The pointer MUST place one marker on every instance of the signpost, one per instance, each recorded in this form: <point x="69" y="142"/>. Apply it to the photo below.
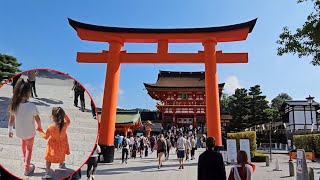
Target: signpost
<point x="302" y="169"/>
<point x="232" y="151"/>
<point x="245" y="146"/>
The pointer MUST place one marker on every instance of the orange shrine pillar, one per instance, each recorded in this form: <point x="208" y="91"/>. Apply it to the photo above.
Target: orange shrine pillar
<point x="212" y="91"/>
<point x="110" y="98"/>
<point x="126" y="131"/>
<point x="148" y="132"/>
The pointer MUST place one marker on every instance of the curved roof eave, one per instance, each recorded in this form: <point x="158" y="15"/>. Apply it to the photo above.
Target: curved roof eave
<point x="248" y="24"/>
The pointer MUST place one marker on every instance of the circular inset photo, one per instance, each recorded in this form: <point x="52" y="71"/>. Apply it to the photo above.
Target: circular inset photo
<point x="48" y="126"/>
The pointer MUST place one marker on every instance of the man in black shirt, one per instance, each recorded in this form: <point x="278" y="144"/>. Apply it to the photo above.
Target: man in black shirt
<point x="210" y="165"/>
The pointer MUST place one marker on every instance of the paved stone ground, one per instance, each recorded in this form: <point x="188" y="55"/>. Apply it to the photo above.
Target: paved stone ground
<point x="52" y="91"/>
<point x="146" y="169"/>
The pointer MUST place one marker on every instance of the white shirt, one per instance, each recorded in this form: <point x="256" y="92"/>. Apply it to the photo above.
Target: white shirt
<point x="131" y="140"/>
<point x="181" y="142"/>
<point x="96" y="151"/>
<point x="24" y="120"/>
<point x="128" y="142"/>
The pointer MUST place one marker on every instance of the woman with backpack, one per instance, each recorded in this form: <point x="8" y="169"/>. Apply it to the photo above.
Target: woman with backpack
<point x="161" y="148"/>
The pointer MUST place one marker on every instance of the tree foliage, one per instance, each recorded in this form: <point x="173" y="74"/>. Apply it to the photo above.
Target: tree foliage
<point x="306" y="40"/>
<point x="257" y="107"/>
<point x="277" y="102"/>
<point x="9" y="66"/>
<point x="224" y="103"/>
<point x="239" y="110"/>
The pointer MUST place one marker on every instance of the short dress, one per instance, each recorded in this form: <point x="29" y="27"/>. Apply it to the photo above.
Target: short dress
<point x="58" y="146"/>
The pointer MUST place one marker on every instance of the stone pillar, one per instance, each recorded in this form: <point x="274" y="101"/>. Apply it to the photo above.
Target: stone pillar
<point x="212" y="91"/>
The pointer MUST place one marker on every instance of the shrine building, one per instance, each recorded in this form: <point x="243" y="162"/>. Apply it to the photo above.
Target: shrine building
<point x="181" y="97"/>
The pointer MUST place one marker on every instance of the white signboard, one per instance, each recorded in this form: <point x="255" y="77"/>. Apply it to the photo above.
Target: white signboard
<point x="299" y="154"/>
<point x="224" y="155"/>
<point x="245" y="146"/>
<point x="232" y="151"/>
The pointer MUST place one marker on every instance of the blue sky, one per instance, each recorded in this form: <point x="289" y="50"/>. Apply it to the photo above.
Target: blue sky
<point x="39" y="35"/>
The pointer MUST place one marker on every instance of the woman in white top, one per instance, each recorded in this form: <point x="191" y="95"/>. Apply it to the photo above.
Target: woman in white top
<point x="24" y="114"/>
<point x="93" y="162"/>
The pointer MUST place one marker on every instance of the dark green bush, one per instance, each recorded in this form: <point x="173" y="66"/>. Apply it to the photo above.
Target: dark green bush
<point x="307" y="142"/>
<point x="259" y="157"/>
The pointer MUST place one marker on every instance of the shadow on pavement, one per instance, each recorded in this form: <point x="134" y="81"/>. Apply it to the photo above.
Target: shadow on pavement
<point x="139" y="168"/>
<point x="57" y="174"/>
<point x="50" y="101"/>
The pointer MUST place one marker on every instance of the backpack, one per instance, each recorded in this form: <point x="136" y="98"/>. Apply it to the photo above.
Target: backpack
<point x="124" y="142"/>
<point x="135" y="145"/>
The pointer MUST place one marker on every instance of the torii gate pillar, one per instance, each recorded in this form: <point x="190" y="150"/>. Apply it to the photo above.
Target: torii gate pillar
<point x="212" y="91"/>
<point x="110" y="100"/>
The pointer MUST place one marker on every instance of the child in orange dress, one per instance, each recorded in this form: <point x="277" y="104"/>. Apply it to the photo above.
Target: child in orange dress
<point x="58" y="146"/>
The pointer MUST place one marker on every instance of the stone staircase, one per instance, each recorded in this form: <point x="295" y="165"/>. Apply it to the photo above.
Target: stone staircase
<point x="82" y="131"/>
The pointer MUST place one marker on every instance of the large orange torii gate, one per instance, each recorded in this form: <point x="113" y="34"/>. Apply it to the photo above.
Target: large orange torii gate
<point x="116" y="37"/>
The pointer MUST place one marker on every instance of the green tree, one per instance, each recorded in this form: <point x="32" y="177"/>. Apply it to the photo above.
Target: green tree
<point x="224" y="103"/>
<point x="306" y="40"/>
<point x="277" y="102"/>
<point x="257" y="106"/>
<point x="272" y="114"/>
<point x="238" y="106"/>
<point x="9" y="66"/>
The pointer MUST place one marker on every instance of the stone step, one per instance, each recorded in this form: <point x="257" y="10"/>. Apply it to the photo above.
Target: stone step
<point x="16" y="167"/>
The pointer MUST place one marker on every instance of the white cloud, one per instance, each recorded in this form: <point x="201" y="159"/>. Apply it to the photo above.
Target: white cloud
<point x="231" y="84"/>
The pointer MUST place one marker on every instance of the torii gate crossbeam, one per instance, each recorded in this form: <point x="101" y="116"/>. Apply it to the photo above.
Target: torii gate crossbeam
<point x="116" y="37"/>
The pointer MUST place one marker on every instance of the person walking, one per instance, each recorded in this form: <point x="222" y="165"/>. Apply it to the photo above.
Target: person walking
<point x="58" y="145"/>
<point x="93" y="110"/>
<point x="78" y="91"/>
<point x="146" y="145"/>
<point x="24" y="114"/>
<point x="161" y="148"/>
<point x="193" y="147"/>
<point x="244" y="169"/>
<point x="210" y="164"/>
<point x="134" y="149"/>
<point x="169" y="145"/>
<point x="131" y="145"/>
<point x="142" y="145"/>
<point x="181" y="150"/>
<point x="93" y="162"/>
<point x="152" y="142"/>
<point x="188" y="147"/>
<point x="125" y="149"/>
<point x="32" y="80"/>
